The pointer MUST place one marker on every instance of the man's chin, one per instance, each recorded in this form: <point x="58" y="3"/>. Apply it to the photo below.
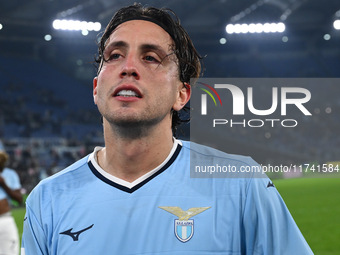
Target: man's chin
<point x="133" y="128"/>
<point x="133" y="121"/>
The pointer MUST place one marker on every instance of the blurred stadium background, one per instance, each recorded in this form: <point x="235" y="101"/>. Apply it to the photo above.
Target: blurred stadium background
<point x="48" y="120"/>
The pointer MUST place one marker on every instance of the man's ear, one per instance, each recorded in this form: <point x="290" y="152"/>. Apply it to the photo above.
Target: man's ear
<point x="95" y="81"/>
<point x="183" y="96"/>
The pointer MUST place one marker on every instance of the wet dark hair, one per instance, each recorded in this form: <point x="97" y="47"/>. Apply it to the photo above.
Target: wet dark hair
<point x="188" y="59"/>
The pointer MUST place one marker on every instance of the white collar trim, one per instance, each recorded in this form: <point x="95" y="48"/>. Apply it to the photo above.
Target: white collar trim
<point x="93" y="159"/>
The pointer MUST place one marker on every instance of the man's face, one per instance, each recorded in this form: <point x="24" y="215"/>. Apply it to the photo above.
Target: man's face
<point x="140" y="81"/>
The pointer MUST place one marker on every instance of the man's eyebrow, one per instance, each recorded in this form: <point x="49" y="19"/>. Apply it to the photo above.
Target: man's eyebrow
<point x="157" y="48"/>
<point x="143" y="47"/>
<point x="117" y="44"/>
<point x="151" y="47"/>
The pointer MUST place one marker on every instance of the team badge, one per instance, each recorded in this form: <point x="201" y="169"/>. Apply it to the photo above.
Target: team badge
<point x="184" y="228"/>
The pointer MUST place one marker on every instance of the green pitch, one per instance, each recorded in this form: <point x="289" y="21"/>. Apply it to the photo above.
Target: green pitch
<point x="314" y="204"/>
<point x="19" y="214"/>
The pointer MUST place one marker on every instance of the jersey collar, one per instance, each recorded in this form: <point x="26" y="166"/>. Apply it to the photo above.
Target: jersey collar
<point x="132" y="186"/>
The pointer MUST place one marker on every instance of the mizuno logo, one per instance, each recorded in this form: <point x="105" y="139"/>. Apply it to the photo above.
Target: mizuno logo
<point x="184" y="228"/>
<point x="75" y="235"/>
<point x="270" y="184"/>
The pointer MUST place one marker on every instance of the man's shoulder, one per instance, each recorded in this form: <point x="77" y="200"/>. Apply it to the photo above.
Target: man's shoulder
<point x="76" y="166"/>
<point x="64" y="177"/>
<point x="204" y="152"/>
<point x="58" y="188"/>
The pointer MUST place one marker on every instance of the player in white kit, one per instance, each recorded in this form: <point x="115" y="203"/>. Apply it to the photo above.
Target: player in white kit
<point x="9" y="189"/>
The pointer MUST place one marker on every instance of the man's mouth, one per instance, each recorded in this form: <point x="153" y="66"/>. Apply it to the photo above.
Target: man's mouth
<point x="127" y="93"/>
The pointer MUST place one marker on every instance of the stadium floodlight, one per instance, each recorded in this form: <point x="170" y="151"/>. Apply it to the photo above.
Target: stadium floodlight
<point x="327" y="37"/>
<point x="281" y="27"/>
<point x="258" y="28"/>
<point x="255" y="28"/>
<point x="48" y="38"/>
<point x="252" y="28"/>
<point x="1" y="26"/>
<point x="223" y="41"/>
<point x="230" y="29"/>
<point x="336" y="24"/>
<point x="75" y="25"/>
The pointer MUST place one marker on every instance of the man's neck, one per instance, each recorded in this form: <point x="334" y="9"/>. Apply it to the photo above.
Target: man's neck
<point x="129" y="159"/>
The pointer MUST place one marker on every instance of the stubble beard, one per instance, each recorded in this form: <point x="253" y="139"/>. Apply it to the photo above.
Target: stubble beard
<point x="134" y="128"/>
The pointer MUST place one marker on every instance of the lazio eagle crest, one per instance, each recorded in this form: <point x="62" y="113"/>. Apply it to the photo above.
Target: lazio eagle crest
<point x="184" y="228"/>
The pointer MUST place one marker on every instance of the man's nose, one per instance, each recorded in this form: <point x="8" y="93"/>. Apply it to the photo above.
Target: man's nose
<point x="130" y="67"/>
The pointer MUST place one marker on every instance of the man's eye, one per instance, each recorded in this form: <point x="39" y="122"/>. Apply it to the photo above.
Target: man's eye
<point x="151" y="59"/>
<point x="114" y="56"/>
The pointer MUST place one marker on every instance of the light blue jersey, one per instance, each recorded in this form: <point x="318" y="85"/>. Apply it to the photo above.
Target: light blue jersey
<point x="12" y="181"/>
<point x="84" y="210"/>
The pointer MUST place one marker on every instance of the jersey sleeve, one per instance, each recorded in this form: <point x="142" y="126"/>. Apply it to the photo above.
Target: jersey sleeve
<point x="12" y="181"/>
<point x="268" y="225"/>
<point x="34" y="241"/>
<point x="15" y="181"/>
